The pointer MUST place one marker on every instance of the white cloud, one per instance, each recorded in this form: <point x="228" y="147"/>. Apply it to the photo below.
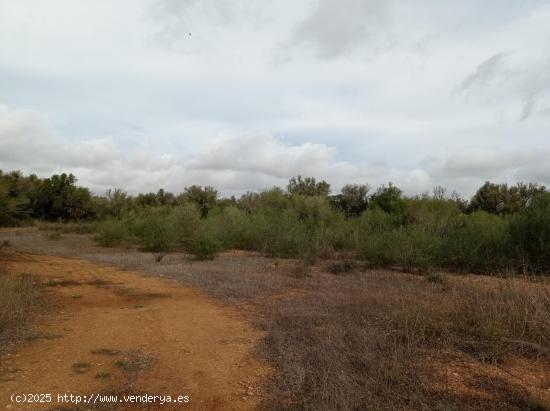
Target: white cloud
<point x="369" y="91"/>
<point x="234" y="164"/>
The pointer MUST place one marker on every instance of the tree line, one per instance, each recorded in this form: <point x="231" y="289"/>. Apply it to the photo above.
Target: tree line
<point x="502" y="228"/>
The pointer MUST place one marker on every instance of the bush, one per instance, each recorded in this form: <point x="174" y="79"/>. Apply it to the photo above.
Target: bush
<point x="158" y="233"/>
<point x="110" y="233"/>
<point x="233" y="228"/>
<point x="409" y="247"/>
<point x="186" y="220"/>
<point x="283" y="234"/>
<point x="436" y="216"/>
<point x="530" y="234"/>
<point x="204" y="247"/>
<point x="478" y="244"/>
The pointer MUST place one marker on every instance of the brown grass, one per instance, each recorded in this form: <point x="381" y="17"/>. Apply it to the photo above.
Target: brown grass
<point x="19" y="296"/>
<point x="372" y="340"/>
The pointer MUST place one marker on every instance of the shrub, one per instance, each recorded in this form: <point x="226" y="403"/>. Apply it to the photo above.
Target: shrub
<point x="233" y="228"/>
<point x="436" y="216"/>
<point x="283" y="234"/>
<point x="478" y="244"/>
<point x="409" y="247"/>
<point x="204" y="247"/>
<point x="186" y="220"/>
<point x="388" y="199"/>
<point x="110" y="233"/>
<point x="158" y="233"/>
<point x="530" y="234"/>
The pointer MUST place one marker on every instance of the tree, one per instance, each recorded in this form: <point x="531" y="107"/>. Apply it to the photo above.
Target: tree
<point x="353" y="199"/>
<point x="501" y="199"/>
<point x="308" y="186"/>
<point x="13" y="206"/>
<point x="204" y="197"/>
<point x="118" y="202"/>
<point x="389" y="199"/>
<point x="58" y="197"/>
<point x="530" y="233"/>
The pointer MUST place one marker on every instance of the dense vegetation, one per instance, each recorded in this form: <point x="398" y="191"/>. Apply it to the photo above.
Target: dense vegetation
<point x="504" y="229"/>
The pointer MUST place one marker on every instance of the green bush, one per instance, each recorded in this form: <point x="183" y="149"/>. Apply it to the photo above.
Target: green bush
<point x="204" y="247"/>
<point x="283" y="234"/>
<point x="186" y="220"/>
<point x="158" y="233"/>
<point x="530" y="234"/>
<point x="436" y="216"/>
<point x="111" y="232"/>
<point x="233" y="228"/>
<point x="479" y="243"/>
<point x="408" y="247"/>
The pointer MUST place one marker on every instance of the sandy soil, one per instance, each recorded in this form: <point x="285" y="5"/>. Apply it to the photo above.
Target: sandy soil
<point x="115" y="331"/>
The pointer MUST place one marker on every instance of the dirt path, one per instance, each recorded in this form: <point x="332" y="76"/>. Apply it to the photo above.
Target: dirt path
<point x="119" y="332"/>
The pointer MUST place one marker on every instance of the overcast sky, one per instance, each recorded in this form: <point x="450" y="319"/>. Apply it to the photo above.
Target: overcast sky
<point x="243" y="94"/>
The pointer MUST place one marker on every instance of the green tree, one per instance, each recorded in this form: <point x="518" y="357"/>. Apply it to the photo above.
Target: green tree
<point x="530" y="233"/>
<point x="353" y="199"/>
<point x="501" y="199"/>
<point x="12" y="207"/>
<point x="205" y="198"/>
<point x="58" y="197"/>
<point x="308" y="186"/>
<point x="388" y="198"/>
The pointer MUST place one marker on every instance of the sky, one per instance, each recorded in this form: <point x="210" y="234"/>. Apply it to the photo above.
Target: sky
<point x="244" y="94"/>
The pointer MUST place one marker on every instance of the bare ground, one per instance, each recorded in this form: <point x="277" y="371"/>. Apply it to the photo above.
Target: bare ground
<point x="118" y="331"/>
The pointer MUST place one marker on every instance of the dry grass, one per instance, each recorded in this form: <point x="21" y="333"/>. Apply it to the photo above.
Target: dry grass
<point x="372" y="340"/>
<point x="19" y="296"/>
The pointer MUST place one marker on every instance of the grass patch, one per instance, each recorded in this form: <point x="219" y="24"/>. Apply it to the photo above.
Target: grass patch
<point x="81" y="367"/>
<point x="19" y="296"/>
<point x="341" y="267"/>
<point x="134" y="362"/>
<point x="103" y="375"/>
<point x="359" y="342"/>
<point x="435" y="277"/>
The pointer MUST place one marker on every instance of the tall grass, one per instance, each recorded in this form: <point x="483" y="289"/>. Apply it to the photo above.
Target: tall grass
<point x="18" y="297"/>
<point x="360" y="342"/>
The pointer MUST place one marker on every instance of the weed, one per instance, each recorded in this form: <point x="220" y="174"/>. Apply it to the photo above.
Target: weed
<point x="81" y="367"/>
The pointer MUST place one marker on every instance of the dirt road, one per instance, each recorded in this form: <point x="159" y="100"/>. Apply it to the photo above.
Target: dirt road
<point x="119" y="332"/>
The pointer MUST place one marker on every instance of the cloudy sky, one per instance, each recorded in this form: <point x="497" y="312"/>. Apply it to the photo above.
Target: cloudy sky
<point x="243" y="94"/>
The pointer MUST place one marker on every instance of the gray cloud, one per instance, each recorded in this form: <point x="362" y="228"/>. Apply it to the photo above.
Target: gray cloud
<point x="334" y="29"/>
<point x="484" y="72"/>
